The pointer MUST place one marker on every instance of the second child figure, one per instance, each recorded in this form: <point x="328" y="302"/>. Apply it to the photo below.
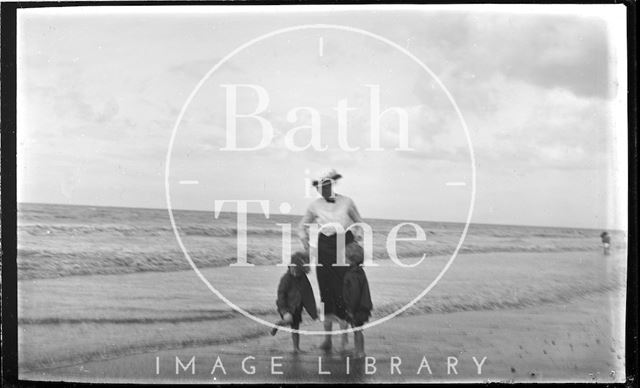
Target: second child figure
<point x="356" y="295"/>
<point x="294" y="293"/>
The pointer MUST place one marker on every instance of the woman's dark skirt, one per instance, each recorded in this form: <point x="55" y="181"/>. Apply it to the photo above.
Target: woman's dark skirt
<point x="331" y="278"/>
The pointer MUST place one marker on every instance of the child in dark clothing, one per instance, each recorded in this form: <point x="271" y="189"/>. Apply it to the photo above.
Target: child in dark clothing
<point x="356" y="295"/>
<point x="294" y="293"/>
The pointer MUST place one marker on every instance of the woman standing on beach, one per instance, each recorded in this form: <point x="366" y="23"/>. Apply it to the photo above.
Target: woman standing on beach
<point x="331" y="208"/>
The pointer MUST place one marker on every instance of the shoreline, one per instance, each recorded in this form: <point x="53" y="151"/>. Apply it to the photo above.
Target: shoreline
<point x="184" y="267"/>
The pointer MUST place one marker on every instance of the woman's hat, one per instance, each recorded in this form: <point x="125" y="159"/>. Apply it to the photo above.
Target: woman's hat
<point x="328" y="176"/>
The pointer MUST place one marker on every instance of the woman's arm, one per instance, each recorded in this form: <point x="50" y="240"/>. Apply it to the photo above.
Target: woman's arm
<point x="308" y="218"/>
<point x="356" y="218"/>
<point x="354" y="213"/>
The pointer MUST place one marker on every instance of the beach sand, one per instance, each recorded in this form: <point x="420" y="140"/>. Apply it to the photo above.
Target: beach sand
<point x="534" y="316"/>
<point x="555" y="342"/>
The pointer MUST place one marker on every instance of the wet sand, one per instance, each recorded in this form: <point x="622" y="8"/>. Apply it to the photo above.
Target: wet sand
<point x="573" y="341"/>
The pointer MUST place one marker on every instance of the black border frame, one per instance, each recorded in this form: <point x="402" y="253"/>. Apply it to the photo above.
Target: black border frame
<point x="8" y="248"/>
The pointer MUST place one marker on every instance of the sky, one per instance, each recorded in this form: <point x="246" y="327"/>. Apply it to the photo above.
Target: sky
<point x="530" y="99"/>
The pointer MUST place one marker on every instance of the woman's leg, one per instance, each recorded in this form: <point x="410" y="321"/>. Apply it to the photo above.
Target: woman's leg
<point x="338" y="284"/>
<point x="358" y="339"/>
<point x="328" y="323"/>
<point x="328" y="327"/>
<point x="326" y="257"/>
<point x="330" y="281"/>
<point x="295" y="337"/>
<point x="345" y="336"/>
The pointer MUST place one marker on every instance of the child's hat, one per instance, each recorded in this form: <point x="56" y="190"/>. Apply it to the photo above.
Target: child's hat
<point x="299" y="259"/>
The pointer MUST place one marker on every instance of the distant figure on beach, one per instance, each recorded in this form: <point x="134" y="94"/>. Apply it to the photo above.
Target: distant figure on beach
<point x="331" y="208"/>
<point x="606" y="242"/>
<point x="357" y="297"/>
<point x="294" y="293"/>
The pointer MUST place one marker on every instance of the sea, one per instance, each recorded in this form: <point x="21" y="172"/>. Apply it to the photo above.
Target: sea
<point x="68" y="240"/>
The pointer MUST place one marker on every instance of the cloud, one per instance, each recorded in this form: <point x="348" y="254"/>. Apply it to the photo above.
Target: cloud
<point x="570" y="52"/>
<point x="73" y="105"/>
<point x="524" y="124"/>
<point x="196" y="69"/>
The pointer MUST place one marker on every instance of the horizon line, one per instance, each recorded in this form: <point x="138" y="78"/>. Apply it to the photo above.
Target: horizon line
<point x="373" y="218"/>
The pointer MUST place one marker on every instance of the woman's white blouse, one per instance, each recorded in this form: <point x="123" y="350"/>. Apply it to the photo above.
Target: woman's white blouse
<point x="343" y="211"/>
